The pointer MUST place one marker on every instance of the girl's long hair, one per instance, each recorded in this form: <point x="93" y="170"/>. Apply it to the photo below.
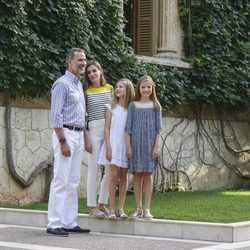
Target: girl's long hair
<point x="87" y="82"/>
<point x="130" y="93"/>
<point x="153" y="97"/>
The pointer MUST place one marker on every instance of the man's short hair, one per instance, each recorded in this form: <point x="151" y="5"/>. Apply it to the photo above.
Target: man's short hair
<point x="72" y="51"/>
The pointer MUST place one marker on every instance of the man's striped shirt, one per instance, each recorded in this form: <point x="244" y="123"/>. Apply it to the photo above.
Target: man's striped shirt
<point x="67" y="102"/>
<point x="96" y="99"/>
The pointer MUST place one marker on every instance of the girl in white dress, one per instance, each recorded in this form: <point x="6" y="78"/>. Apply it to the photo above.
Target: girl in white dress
<point x="113" y="151"/>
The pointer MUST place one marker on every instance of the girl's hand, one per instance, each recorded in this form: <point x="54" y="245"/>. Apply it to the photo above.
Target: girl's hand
<point x="108" y="154"/>
<point x="155" y="152"/>
<point x="129" y="152"/>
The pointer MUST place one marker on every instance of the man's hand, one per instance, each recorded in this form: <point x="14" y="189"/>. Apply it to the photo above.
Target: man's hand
<point x="65" y="149"/>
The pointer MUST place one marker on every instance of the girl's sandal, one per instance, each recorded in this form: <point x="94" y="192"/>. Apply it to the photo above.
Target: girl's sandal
<point x="112" y="215"/>
<point x="122" y="215"/>
<point x="147" y="215"/>
<point x="137" y="214"/>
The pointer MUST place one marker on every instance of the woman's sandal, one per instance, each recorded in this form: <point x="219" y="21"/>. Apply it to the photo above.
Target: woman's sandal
<point x="137" y="214"/>
<point x="122" y="215"/>
<point x="97" y="213"/>
<point x="104" y="210"/>
<point x="112" y="215"/>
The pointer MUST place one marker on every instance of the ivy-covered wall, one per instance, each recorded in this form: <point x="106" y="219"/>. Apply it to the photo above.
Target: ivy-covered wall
<point x="36" y="34"/>
<point x="218" y="46"/>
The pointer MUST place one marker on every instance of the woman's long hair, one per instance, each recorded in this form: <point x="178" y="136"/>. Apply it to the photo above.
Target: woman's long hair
<point x="87" y="82"/>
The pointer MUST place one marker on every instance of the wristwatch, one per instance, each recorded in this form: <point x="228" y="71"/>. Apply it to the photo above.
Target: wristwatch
<point x="62" y="140"/>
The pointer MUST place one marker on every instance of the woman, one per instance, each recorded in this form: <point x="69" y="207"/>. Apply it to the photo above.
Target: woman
<point x="97" y="94"/>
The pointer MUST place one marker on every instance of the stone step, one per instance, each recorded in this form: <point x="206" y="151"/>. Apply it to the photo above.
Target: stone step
<point x="220" y="232"/>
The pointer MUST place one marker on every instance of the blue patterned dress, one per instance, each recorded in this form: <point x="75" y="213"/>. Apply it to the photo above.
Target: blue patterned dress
<point x="143" y="123"/>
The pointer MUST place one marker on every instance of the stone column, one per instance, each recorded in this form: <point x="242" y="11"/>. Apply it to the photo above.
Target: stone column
<point x="169" y="28"/>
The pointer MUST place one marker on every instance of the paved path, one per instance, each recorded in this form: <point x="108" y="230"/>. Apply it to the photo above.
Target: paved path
<point x="35" y="238"/>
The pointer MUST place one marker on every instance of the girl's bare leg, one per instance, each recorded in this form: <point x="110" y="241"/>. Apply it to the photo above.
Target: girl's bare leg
<point x="148" y="187"/>
<point x="114" y="172"/>
<point x="123" y="186"/>
<point x="137" y="183"/>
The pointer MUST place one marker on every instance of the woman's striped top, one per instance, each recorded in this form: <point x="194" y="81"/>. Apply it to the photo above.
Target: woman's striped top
<point x="96" y="98"/>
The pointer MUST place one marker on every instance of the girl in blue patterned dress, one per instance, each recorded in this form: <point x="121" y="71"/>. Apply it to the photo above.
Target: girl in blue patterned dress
<point x="143" y="127"/>
<point x="113" y="151"/>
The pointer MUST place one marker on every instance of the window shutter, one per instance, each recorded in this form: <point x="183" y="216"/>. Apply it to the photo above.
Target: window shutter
<point x="144" y="34"/>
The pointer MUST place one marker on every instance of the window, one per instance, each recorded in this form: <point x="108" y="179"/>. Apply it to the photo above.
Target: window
<point x="138" y="27"/>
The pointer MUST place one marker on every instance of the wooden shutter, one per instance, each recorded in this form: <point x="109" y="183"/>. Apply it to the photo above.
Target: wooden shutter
<point x="144" y="34"/>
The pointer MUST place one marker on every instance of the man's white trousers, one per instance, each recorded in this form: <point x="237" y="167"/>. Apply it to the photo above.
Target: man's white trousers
<point x="63" y="198"/>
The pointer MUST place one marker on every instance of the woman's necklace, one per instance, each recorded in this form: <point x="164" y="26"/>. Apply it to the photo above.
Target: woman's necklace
<point x="96" y="85"/>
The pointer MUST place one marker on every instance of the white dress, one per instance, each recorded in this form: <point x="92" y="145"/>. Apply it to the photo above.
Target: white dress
<point x="117" y="139"/>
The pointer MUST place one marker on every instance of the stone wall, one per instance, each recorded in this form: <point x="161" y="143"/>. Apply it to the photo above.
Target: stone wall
<point x="31" y="141"/>
<point x="195" y="156"/>
<point x="31" y="145"/>
<point x="30" y="137"/>
<point x="189" y="160"/>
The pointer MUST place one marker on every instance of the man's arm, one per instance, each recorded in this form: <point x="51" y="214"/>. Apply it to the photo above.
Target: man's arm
<point x="63" y="142"/>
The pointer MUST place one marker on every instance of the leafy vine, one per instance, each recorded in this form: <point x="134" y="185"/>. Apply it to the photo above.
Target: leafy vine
<point x="35" y="36"/>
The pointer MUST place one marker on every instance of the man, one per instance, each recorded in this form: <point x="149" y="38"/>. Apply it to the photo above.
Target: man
<point x="68" y="120"/>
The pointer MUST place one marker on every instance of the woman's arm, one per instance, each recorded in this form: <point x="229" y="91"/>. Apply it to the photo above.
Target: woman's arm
<point x="87" y="143"/>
